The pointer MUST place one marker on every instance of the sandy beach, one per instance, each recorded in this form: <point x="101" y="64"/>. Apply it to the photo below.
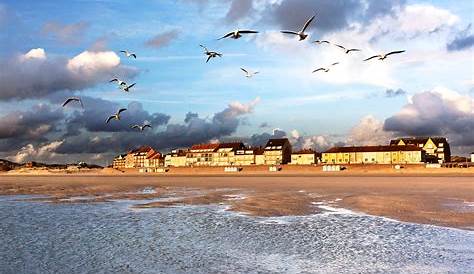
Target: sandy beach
<point x="439" y="200"/>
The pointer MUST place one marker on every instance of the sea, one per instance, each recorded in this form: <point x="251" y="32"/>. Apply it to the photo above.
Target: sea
<point x="115" y="237"/>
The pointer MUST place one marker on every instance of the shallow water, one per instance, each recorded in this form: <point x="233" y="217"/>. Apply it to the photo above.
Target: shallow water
<point x="38" y="237"/>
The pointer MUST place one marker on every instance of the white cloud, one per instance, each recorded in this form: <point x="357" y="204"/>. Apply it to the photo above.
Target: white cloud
<point x="89" y="62"/>
<point x="40" y="153"/>
<point x="369" y="131"/>
<point x="37" y="53"/>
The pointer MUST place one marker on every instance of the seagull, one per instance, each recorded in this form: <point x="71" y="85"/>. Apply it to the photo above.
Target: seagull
<point x="127" y="88"/>
<point x="319" y="42"/>
<point x="347" y="51"/>
<point x="236" y="34"/>
<point x="116" y="116"/>
<point x="301" y="33"/>
<point x="384" y="56"/>
<point x="129" y="54"/>
<point x="210" y="54"/>
<point x="119" y="82"/>
<point x="325" y="69"/>
<point x="249" y="74"/>
<point x="71" y="99"/>
<point x="141" y="128"/>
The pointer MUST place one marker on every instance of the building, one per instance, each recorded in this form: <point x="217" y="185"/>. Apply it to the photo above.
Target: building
<point x="201" y="155"/>
<point x="304" y="157"/>
<point x="277" y="151"/>
<point x="136" y="158"/>
<point x="472" y="157"/>
<point x="249" y="156"/>
<point x="153" y="160"/>
<point x="119" y="161"/>
<point x="437" y="148"/>
<point x="407" y="154"/>
<point x="224" y="154"/>
<point x="177" y="158"/>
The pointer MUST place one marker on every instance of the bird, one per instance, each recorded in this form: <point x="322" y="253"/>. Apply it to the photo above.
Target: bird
<point x="319" y="42"/>
<point x="347" y="51"/>
<point x="129" y="54"/>
<point x="116" y="116"/>
<point x="210" y="54"/>
<point x="73" y="99"/>
<point x="249" y="74"/>
<point x="325" y="69"/>
<point x="302" y="35"/>
<point x="384" y="56"/>
<point x="236" y="34"/>
<point x="119" y="82"/>
<point x="141" y="128"/>
<point x="127" y="88"/>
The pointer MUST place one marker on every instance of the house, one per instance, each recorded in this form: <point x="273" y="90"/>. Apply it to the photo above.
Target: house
<point x="136" y="158"/>
<point x="472" y="157"/>
<point x="177" y="158"/>
<point x="304" y="157"/>
<point x="407" y="154"/>
<point x="249" y="156"/>
<point x="201" y="155"/>
<point x="153" y="160"/>
<point x="119" y="161"/>
<point x="224" y="154"/>
<point x="437" y="148"/>
<point x="277" y="151"/>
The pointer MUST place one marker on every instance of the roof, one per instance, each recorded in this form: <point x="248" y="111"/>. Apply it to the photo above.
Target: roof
<point x="204" y="146"/>
<point x="277" y="142"/>
<point x="154" y="155"/>
<point x="418" y="140"/>
<point x="142" y="149"/>
<point x="234" y="146"/>
<point x="305" y="151"/>
<point x="372" y="149"/>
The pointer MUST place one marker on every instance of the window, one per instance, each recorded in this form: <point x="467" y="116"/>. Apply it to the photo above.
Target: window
<point x="440" y="145"/>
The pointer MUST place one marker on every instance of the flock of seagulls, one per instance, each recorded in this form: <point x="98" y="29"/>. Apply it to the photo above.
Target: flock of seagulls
<point x="210" y="54"/>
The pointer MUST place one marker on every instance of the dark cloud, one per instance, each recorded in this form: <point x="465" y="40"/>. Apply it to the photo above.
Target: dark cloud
<point x="264" y="125"/>
<point x="463" y="40"/>
<point x="65" y="33"/>
<point x="382" y="7"/>
<point x="432" y="114"/>
<point x="394" y="93"/>
<point x="239" y="9"/>
<point x="163" y="39"/>
<point x="29" y="78"/>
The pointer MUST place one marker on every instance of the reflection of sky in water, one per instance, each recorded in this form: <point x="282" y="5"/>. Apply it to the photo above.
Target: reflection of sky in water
<point x="110" y="237"/>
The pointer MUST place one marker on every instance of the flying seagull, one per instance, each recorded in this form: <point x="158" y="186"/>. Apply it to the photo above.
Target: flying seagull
<point x="141" y="128"/>
<point x="116" y="116"/>
<point x="384" y="56"/>
<point x="73" y="99"/>
<point x="127" y="88"/>
<point x="319" y="42"/>
<point x="236" y="34"/>
<point x="119" y="82"/>
<point x="347" y="51"/>
<point x="129" y="54"/>
<point x="301" y="33"/>
<point x="325" y="69"/>
<point x="210" y="54"/>
<point x="249" y="74"/>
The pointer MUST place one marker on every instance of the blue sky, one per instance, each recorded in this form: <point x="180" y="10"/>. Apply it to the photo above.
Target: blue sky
<point x="173" y="79"/>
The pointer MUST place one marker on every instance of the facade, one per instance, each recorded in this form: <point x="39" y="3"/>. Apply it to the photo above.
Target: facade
<point x="177" y="158"/>
<point x="437" y="148"/>
<point x="136" y="158"/>
<point x="472" y="157"/>
<point x="304" y="157"/>
<point x="277" y="151"/>
<point x="407" y="154"/>
<point x="201" y="155"/>
<point x="224" y="154"/>
<point x="119" y="161"/>
<point x="250" y="156"/>
<point x="153" y="160"/>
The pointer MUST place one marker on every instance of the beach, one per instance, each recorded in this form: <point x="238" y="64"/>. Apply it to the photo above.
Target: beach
<point x="444" y="200"/>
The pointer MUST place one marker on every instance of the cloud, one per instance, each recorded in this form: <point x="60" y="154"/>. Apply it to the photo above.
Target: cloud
<point x="239" y="9"/>
<point x="163" y="39"/>
<point x="66" y="33"/>
<point x="35" y="75"/>
<point x="436" y="112"/>
<point x="369" y="131"/>
<point x="463" y="40"/>
<point x="40" y="153"/>
<point x="394" y="93"/>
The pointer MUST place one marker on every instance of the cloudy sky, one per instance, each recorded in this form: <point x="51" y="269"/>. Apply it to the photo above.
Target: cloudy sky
<point x="51" y="50"/>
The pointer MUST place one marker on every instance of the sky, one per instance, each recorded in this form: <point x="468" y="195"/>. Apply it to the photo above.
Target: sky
<point x="52" y="50"/>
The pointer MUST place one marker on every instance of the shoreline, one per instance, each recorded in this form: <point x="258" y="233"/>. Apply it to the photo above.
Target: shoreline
<point x="438" y="200"/>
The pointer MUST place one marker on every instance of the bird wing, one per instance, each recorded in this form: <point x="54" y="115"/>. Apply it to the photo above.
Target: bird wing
<point x="248" y="31"/>
<point x="244" y="70"/>
<point x="333" y="64"/>
<point x="124" y="51"/>
<point x="325" y="41"/>
<point x="227" y="35"/>
<point x="395" y="52"/>
<point x="131" y="85"/>
<point x="114" y="80"/>
<point x="80" y="101"/>
<point x="349" y="50"/>
<point x="110" y="118"/>
<point x="121" y="110"/>
<point x="135" y="126"/>
<point x="289" y="32"/>
<point x="256" y="72"/>
<point x="375" y="56"/>
<point x="133" y="55"/>
<point x="204" y="48"/>
<point x="208" y="58"/>
<point x="67" y="101"/>
<point x="144" y="126"/>
<point x="307" y="23"/>
<point x="339" y="46"/>
<point x="319" y="69"/>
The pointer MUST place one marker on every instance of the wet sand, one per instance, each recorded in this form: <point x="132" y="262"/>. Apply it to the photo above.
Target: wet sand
<point x="437" y="200"/>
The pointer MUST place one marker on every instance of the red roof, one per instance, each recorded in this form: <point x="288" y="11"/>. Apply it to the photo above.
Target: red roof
<point x="142" y="149"/>
<point x="204" y="146"/>
<point x="372" y="149"/>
